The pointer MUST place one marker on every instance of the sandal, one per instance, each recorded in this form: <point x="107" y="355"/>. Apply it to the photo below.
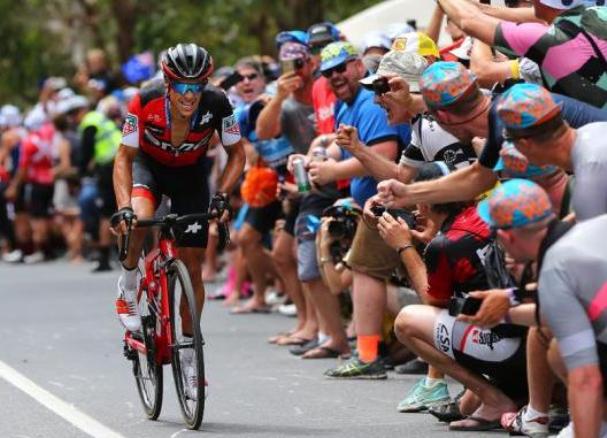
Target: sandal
<point x="481" y="425"/>
<point x="246" y="310"/>
<point x="322" y="352"/>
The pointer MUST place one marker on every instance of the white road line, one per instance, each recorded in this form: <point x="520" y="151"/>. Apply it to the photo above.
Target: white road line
<point x="87" y="424"/>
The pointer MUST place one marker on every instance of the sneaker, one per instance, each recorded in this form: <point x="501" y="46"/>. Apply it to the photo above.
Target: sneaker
<point x="357" y="369"/>
<point x="567" y="432"/>
<point x="514" y="422"/>
<point x="273" y="298"/>
<point x="126" y="307"/>
<point x="15" y="256"/>
<point x="287" y="309"/>
<point x="102" y="267"/>
<point x="422" y="397"/>
<point x="447" y="413"/>
<point x="414" y="366"/>
<point x="35" y="257"/>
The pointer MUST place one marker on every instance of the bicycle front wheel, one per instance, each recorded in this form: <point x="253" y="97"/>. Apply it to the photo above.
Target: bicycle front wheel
<point x="187" y="361"/>
<point x="148" y="373"/>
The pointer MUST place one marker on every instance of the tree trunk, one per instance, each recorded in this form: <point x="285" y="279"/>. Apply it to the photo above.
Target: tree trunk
<point x="125" y="14"/>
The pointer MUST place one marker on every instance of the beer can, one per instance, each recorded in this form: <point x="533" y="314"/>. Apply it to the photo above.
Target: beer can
<point x="301" y="175"/>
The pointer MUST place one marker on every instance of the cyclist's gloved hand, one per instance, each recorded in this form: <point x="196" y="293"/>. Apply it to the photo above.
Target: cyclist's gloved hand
<point x="122" y="220"/>
<point x="220" y="205"/>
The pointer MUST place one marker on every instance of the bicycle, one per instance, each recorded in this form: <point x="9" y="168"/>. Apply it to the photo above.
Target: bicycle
<point x="165" y="297"/>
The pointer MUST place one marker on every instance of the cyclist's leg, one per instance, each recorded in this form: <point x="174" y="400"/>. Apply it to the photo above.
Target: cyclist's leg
<point x="193" y="259"/>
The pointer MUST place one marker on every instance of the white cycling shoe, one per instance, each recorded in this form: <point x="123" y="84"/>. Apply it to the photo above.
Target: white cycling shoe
<point x="126" y="307"/>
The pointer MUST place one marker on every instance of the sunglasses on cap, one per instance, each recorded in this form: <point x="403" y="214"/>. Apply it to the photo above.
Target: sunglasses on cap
<point x="183" y="87"/>
<point x="340" y="68"/>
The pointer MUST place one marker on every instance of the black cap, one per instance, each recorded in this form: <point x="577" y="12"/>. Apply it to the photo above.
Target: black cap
<point x="322" y="33"/>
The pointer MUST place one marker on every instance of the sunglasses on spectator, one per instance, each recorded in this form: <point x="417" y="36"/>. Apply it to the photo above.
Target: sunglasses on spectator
<point x="183" y="87"/>
<point x="250" y="77"/>
<point x="341" y="68"/>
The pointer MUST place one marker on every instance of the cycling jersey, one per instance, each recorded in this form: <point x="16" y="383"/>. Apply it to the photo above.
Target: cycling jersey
<point x="573" y="292"/>
<point x="148" y="125"/>
<point x="455" y="257"/>
<point x="38" y="151"/>
<point x="430" y="142"/>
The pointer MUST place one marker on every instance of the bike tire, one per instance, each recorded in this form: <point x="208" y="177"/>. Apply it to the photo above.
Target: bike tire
<point x="192" y="409"/>
<point x="148" y="373"/>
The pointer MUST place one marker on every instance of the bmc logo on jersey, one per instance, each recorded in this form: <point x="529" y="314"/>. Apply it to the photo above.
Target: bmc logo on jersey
<point x="130" y="124"/>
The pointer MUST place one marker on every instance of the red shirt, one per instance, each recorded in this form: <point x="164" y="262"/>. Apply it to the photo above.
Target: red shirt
<point x="37" y="153"/>
<point x="323" y="100"/>
<point x="455" y="257"/>
<point x="148" y="125"/>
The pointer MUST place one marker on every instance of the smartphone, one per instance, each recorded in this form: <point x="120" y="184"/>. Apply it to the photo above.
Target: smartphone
<point x="231" y="80"/>
<point x="380" y="86"/>
<point x="291" y="65"/>
<point x="465" y="306"/>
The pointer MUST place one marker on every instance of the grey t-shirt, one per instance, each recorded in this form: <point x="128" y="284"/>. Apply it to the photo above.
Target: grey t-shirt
<point x="297" y="124"/>
<point x="573" y="291"/>
<point x="589" y="156"/>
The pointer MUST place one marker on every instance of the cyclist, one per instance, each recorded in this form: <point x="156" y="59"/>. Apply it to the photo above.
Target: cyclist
<point x="165" y="136"/>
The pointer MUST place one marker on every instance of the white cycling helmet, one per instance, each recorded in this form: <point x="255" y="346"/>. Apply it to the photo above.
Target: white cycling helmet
<point x="569" y="4"/>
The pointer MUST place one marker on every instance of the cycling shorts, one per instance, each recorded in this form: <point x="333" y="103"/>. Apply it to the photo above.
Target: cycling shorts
<point x="502" y="360"/>
<point x="37" y="200"/>
<point x="186" y="187"/>
<point x="263" y="219"/>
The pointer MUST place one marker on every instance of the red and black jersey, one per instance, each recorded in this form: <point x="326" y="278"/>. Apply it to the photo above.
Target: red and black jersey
<point x="455" y="257"/>
<point x="148" y="125"/>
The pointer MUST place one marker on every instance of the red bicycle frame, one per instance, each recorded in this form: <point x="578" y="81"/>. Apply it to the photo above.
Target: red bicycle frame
<point x="156" y="286"/>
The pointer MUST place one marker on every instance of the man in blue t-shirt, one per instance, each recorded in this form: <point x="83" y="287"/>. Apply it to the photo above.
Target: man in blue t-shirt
<point x="370" y="259"/>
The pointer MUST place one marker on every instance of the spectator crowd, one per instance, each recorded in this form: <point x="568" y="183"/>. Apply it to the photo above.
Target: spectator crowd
<point x="426" y="210"/>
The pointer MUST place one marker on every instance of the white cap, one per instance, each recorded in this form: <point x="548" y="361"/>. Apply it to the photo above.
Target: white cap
<point x="10" y="116"/>
<point x="567" y="4"/>
<point x="70" y="104"/>
<point x="376" y="39"/>
<point x="64" y="93"/>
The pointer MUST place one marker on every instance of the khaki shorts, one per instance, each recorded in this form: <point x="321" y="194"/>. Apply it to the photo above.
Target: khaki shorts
<point x="370" y="255"/>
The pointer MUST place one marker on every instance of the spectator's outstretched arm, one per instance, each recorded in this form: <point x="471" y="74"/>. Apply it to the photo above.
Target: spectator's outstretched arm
<point x="487" y="70"/>
<point x="436" y="22"/>
<point x="469" y="18"/>
<point x="462" y="185"/>
<point x="516" y="15"/>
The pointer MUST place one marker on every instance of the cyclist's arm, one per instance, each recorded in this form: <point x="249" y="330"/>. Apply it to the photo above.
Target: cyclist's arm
<point x="123" y="175"/>
<point x="234" y="167"/>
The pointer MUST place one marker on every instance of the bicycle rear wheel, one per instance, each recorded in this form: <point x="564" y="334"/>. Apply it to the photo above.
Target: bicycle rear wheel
<point x="148" y="373"/>
<point x="188" y="360"/>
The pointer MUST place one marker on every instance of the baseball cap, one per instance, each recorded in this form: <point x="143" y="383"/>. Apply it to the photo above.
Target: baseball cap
<point x="10" y="115"/>
<point x="322" y="33"/>
<point x="376" y="39"/>
<point x="444" y="83"/>
<point x="70" y="104"/>
<point x="515" y="204"/>
<point x="291" y="36"/>
<point x="336" y="53"/>
<point x="394" y="29"/>
<point x="408" y="66"/>
<point x="291" y="50"/>
<point x="415" y="42"/>
<point x="513" y="164"/>
<point x="525" y="106"/>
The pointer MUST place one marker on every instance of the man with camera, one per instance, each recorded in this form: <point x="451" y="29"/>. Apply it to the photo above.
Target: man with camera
<point x="453" y="266"/>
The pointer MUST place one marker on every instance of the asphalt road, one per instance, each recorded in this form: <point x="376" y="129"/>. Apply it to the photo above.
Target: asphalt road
<point x="61" y="364"/>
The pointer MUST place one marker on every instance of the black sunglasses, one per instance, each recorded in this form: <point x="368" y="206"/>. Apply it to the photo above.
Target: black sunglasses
<point x="250" y="77"/>
<point x="338" y="69"/>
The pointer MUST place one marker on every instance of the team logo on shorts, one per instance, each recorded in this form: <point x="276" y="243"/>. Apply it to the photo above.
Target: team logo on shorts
<point x="442" y="335"/>
<point x="130" y="124"/>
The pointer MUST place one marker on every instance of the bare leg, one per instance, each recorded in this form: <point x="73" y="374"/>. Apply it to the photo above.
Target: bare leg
<point x="209" y="270"/>
<point x="286" y="267"/>
<point x="414" y="327"/>
<point x="541" y="379"/>
<point x="193" y="258"/>
<point x="258" y="261"/>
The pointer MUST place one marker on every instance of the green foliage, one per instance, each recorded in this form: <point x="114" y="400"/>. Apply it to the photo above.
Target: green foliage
<point x="37" y="36"/>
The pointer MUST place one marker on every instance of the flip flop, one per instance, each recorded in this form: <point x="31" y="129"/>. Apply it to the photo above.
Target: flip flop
<point x="274" y="339"/>
<point x="482" y="425"/>
<point x="247" y="310"/>
<point x="321" y="352"/>
<point x="292" y="340"/>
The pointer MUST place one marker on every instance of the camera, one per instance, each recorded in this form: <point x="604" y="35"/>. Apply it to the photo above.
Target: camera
<point x="405" y="215"/>
<point x="345" y="220"/>
<point x="465" y="306"/>
<point x="380" y="86"/>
